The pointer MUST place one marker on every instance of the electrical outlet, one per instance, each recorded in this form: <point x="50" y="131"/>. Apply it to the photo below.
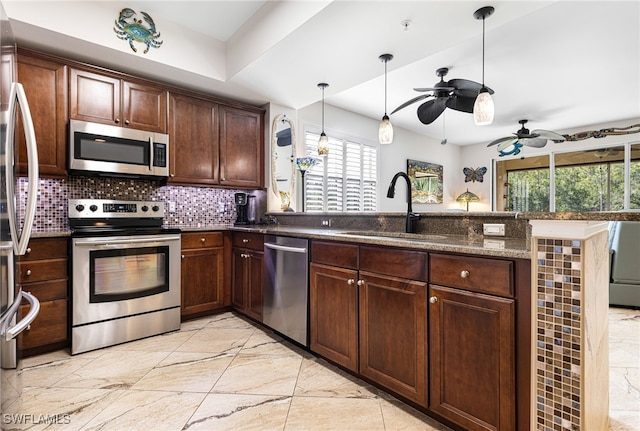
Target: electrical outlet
<point x="222" y="207"/>
<point x="493" y="229"/>
<point x="326" y="223"/>
<point x="172" y="207"/>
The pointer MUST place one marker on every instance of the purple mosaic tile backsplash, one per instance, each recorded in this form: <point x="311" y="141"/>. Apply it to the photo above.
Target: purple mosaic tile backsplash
<point x="195" y="206"/>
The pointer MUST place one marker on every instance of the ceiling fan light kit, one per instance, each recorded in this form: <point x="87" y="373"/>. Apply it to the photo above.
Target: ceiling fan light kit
<point x="483" y="108"/>
<point x="323" y="142"/>
<point x="385" y="131"/>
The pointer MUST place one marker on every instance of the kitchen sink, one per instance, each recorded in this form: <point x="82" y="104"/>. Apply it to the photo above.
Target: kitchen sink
<point x="400" y="235"/>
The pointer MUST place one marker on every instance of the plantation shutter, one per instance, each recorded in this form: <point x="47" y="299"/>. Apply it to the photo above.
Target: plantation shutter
<point x="345" y="180"/>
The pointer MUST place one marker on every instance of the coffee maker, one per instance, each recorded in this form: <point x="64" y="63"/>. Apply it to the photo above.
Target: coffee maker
<point x="242" y="204"/>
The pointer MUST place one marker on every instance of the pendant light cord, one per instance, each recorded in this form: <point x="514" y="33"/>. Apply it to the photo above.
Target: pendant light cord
<point x="323" y="109"/>
<point x="483" y="18"/>
<point x="385" y="87"/>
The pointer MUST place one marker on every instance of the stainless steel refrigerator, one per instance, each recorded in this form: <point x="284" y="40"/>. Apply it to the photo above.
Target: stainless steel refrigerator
<point x="14" y="233"/>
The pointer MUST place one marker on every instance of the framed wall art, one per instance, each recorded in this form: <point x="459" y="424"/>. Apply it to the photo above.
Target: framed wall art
<point x="426" y="182"/>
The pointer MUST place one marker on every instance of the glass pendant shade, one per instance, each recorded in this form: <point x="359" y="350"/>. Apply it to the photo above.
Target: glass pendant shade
<point x="323" y="142"/>
<point x="323" y="145"/>
<point x="385" y="131"/>
<point x="483" y="108"/>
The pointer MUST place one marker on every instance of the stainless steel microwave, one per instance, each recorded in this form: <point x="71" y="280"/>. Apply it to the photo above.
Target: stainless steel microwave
<point x="100" y="149"/>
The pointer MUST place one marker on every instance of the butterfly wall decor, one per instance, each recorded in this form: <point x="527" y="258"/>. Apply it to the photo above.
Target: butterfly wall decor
<point x="474" y="175"/>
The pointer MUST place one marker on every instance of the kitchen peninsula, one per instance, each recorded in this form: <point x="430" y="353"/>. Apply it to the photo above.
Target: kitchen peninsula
<point x="559" y="294"/>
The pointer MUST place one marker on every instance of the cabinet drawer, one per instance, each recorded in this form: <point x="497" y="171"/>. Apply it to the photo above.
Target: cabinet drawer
<point x="335" y="254"/>
<point x="400" y="263"/>
<point x="49" y="327"/>
<point x="49" y="248"/>
<point x="253" y="241"/>
<point x="201" y="240"/>
<point x="47" y="290"/>
<point x="482" y="275"/>
<point x="40" y="270"/>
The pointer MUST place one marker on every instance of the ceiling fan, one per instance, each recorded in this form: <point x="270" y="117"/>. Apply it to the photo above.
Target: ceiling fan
<point x="456" y="94"/>
<point x="536" y="138"/>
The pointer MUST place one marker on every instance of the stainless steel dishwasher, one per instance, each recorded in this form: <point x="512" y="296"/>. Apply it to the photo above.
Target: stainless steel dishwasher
<point x="286" y="286"/>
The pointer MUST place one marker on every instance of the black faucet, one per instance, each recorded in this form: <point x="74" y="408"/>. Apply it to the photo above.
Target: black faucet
<point x="411" y="217"/>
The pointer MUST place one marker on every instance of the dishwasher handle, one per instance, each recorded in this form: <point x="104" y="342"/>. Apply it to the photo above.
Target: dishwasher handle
<point x="285" y="248"/>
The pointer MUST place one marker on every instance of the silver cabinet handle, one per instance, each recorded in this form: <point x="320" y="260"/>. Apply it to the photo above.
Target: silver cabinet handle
<point x="202" y="240"/>
<point x="351" y="281"/>
<point x="245" y="240"/>
<point x="28" y="272"/>
<point x="28" y="250"/>
<point x="182" y="256"/>
<point x="433" y="299"/>
<point x="360" y="282"/>
<point x="464" y="274"/>
<point x="117" y="121"/>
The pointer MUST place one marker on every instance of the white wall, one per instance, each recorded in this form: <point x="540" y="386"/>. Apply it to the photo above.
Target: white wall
<point x="392" y="158"/>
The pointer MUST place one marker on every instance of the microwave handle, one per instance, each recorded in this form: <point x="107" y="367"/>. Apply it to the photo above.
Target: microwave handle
<point x="151" y="153"/>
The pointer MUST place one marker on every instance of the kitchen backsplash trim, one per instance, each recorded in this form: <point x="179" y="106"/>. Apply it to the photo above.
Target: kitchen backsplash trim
<point x="194" y="206"/>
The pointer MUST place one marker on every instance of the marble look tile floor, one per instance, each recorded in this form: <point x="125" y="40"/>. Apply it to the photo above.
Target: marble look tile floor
<point x="223" y="373"/>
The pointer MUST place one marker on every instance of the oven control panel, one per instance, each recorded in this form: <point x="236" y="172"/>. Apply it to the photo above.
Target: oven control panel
<point x="105" y="208"/>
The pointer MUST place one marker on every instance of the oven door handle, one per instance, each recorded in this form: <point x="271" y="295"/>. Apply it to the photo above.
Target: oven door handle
<point x="93" y="242"/>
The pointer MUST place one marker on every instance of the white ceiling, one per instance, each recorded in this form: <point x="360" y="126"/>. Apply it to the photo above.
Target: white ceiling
<point x="560" y="64"/>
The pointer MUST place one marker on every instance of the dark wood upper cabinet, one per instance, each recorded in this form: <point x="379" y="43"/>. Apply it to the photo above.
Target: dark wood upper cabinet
<point x="193" y="141"/>
<point x="45" y="84"/>
<point x="107" y="99"/>
<point x="241" y="148"/>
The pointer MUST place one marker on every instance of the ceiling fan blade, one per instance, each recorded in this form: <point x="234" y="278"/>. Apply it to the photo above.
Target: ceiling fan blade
<point x="465" y="85"/>
<point x="410" y="101"/>
<point x="507" y="144"/>
<point x="505" y="139"/>
<point x="548" y="134"/>
<point x="429" y="111"/>
<point x="460" y="103"/>
<point x="422" y="89"/>
<point x="534" y="142"/>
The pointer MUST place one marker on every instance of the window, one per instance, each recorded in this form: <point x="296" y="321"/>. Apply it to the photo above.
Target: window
<point x="585" y="180"/>
<point x="345" y="180"/>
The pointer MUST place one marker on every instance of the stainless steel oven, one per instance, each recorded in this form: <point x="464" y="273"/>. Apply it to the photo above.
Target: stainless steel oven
<point x="125" y="273"/>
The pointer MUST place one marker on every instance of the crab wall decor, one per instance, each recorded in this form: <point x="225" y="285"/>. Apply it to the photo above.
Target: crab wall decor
<point x="133" y="30"/>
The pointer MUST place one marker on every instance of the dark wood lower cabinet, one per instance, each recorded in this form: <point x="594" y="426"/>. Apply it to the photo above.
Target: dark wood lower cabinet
<point x="202" y="273"/>
<point x="247" y="283"/>
<point x="334" y="314"/>
<point x="472" y="359"/>
<point x="393" y="334"/>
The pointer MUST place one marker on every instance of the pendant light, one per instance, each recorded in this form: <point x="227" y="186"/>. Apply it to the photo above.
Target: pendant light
<point x="483" y="108"/>
<point x="385" y="131"/>
<point x="323" y="142"/>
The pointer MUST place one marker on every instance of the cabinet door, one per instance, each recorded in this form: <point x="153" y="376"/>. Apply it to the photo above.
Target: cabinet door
<point x="193" y="141"/>
<point x="45" y="84"/>
<point x="255" y="287"/>
<point x="334" y="314"/>
<point x="471" y="357"/>
<point x="393" y="334"/>
<point x="241" y="148"/>
<point x="202" y="275"/>
<point x="94" y="97"/>
<point x="238" y="280"/>
<point x="144" y="107"/>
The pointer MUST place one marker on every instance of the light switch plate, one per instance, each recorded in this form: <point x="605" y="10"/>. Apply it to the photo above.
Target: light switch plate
<point x="493" y="229"/>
